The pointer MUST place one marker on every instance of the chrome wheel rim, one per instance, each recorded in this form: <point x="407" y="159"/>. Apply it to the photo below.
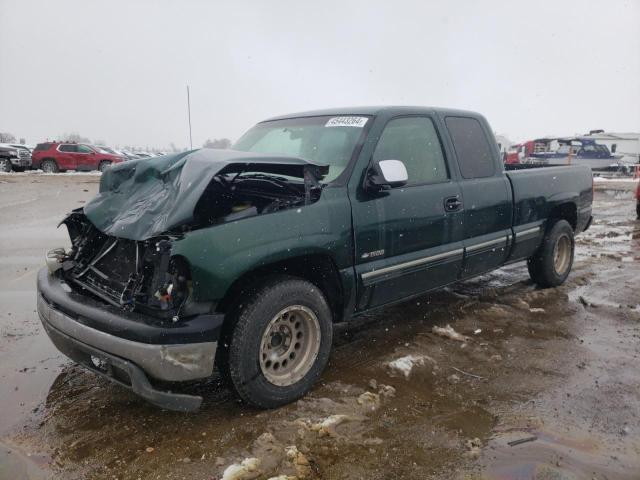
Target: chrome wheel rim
<point x="290" y="345"/>
<point x="5" y="165"/>
<point x="47" y="167"/>
<point x="562" y="254"/>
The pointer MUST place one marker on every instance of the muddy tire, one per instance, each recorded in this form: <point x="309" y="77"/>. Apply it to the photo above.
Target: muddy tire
<point x="551" y="264"/>
<point x="49" y="166"/>
<point x="104" y="165"/>
<point x="279" y="344"/>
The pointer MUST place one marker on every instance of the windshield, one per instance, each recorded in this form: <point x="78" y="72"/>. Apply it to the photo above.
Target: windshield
<point x="327" y="140"/>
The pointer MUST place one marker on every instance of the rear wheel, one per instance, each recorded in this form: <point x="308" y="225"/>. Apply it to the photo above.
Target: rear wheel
<point x="104" y="165"/>
<point x="49" y="166"/>
<point x="638" y="210"/>
<point x="551" y="264"/>
<point x="280" y="343"/>
<point x="5" y="165"/>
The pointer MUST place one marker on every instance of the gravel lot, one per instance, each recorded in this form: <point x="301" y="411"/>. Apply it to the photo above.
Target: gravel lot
<point x="556" y="369"/>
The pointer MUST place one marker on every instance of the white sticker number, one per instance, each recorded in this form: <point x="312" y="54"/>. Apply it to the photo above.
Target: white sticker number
<point x="358" y="122"/>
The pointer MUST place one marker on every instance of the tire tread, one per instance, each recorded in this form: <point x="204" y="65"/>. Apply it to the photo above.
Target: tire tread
<point x="276" y="287"/>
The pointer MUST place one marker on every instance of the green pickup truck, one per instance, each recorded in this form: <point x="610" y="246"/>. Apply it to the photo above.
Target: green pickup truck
<point x="242" y="260"/>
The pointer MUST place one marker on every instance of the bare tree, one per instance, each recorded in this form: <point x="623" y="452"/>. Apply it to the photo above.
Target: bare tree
<point x="6" y="137"/>
<point x="75" y="137"/>
<point x="222" y="143"/>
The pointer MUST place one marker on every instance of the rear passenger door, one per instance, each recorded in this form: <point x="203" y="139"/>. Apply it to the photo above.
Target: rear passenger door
<point x="67" y="159"/>
<point x="486" y="194"/>
<point x="406" y="240"/>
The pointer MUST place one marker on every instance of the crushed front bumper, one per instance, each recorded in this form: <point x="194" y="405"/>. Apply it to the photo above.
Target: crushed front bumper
<point x="129" y="349"/>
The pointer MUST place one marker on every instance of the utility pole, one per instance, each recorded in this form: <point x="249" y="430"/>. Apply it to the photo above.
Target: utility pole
<point x="189" y="115"/>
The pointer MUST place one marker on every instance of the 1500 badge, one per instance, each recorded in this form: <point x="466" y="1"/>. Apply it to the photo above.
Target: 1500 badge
<point x="375" y="253"/>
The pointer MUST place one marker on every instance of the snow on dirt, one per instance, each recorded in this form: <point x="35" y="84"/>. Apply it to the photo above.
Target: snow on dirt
<point x="449" y="332"/>
<point x="405" y="364"/>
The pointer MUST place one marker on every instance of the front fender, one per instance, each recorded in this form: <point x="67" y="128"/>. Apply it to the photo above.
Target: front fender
<point x="220" y="254"/>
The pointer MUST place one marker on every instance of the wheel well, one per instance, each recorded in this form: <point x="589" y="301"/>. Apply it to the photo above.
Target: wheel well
<point x="317" y="269"/>
<point x="565" y="211"/>
<point x="48" y="159"/>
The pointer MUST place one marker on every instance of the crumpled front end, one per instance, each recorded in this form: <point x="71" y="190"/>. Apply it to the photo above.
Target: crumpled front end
<point x="120" y="308"/>
<point x="128" y="274"/>
<point x="121" y="300"/>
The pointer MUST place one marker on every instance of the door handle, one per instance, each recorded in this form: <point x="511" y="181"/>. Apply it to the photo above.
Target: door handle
<point x="452" y="204"/>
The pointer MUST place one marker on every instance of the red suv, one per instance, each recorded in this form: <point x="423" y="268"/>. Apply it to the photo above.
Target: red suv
<point x="54" y="157"/>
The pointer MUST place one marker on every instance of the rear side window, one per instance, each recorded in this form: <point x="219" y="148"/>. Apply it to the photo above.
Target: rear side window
<point x="42" y="146"/>
<point x="84" y="149"/>
<point x="414" y="141"/>
<point x="68" y="148"/>
<point x="472" y="147"/>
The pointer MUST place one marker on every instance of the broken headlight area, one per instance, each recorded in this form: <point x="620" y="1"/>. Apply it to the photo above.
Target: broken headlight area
<point x="129" y="274"/>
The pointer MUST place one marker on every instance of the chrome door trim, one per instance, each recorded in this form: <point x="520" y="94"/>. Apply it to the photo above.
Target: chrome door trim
<point x="498" y="241"/>
<point x="527" y="232"/>
<point x="411" y="263"/>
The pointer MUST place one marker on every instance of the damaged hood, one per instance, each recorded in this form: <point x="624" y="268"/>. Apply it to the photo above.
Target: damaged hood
<point x="143" y="198"/>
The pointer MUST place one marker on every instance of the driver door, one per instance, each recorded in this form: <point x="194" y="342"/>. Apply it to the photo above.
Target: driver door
<point x="85" y="158"/>
<point x="408" y="239"/>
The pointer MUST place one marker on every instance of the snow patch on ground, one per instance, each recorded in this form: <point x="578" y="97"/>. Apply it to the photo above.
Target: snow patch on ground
<point x="449" y="332"/>
<point x="612" y="180"/>
<point x="240" y="471"/>
<point x="405" y="364"/>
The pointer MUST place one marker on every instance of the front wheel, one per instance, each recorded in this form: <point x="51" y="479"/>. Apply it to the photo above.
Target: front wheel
<point x="104" y="165"/>
<point x="5" y="165"/>
<point x="280" y="343"/>
<point x="551" y="264"/>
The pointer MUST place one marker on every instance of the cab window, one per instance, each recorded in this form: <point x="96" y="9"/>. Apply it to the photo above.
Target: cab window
<point x="472" y="147"/>
<point x="414" y="141"/>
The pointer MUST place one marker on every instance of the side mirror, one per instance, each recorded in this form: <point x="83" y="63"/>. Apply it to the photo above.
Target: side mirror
<point x="387" y="173"/>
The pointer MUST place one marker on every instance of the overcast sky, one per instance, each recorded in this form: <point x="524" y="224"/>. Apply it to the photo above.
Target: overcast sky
<point x="117" y="70"/>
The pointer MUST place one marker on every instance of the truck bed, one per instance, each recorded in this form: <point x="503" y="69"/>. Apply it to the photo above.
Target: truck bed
<point x="538" y="193"/>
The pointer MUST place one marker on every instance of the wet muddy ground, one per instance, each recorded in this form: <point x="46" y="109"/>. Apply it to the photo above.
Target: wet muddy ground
<point x="540" y="384"/>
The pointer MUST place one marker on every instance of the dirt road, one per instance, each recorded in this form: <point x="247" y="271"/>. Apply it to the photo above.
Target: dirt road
<point x="555" y="371"/>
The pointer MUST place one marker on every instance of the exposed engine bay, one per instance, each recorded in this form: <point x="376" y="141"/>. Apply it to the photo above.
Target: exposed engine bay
<point x="232" y="197"/>
<point x="142" y="274"/>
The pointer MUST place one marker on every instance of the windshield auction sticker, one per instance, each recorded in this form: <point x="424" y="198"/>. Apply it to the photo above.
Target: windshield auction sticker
<point x="358" y="122"/>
